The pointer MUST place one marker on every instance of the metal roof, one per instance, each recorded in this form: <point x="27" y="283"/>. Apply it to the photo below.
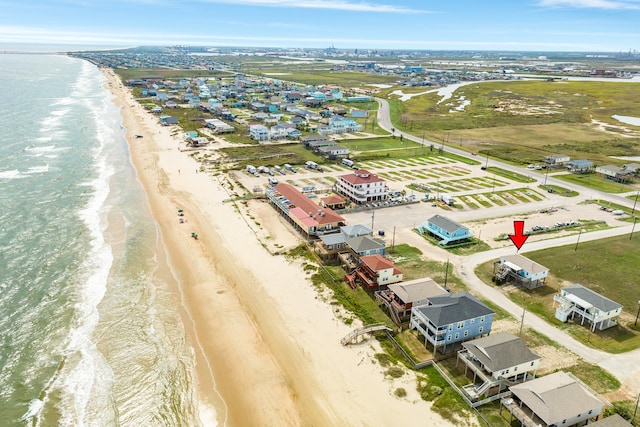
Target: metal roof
<point x="446" y="224"/>
<point x="500" y="351"/>
<point x="600" y="302"/>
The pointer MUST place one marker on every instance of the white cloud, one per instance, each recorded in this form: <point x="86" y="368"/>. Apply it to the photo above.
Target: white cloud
<point x="323" y="4"/>
<point x="592" y="4"/>
<point x="16" y="34"/>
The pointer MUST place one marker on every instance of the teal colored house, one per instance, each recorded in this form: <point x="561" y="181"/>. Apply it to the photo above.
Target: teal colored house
<point x="446" y="230"/>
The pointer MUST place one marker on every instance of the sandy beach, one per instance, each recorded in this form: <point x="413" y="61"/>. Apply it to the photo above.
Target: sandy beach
<point x="267" y="345"/>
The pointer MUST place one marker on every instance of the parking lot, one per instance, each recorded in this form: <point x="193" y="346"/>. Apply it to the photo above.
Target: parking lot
<point x="420" y="177"/>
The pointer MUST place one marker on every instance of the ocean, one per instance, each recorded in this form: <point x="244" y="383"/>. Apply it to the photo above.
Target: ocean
<point x="89" y="334"/>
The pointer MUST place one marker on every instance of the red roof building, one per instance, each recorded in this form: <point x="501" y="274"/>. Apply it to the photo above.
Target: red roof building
<point x="375" y="272"/>
<point x="303" y="212"/>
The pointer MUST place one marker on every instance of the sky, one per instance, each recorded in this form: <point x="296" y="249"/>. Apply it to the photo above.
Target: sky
<point x="503" y="25"/>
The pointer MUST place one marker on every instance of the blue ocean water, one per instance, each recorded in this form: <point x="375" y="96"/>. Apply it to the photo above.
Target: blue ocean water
<point x="89" y="334"/>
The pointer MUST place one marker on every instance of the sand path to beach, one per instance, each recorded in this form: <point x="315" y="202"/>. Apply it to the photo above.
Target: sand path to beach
<point x="267" y="345"/>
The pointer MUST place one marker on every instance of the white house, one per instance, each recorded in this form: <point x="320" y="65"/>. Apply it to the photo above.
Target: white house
<point x="614" y="173"/>
<point x="362" y="186"/>
<point x="278" y="132"/>
<point x="556" y="159"/>
<point x="259" y="132"/>
<point x="602" y="312"/>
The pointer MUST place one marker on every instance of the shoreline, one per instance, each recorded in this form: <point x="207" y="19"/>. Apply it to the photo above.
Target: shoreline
<point x="266" y="345"/>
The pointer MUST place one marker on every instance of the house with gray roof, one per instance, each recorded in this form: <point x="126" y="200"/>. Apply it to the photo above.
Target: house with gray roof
<point x="632" y="167"/>
<point x="446" y="230"/>
<point x="495" y="362"/>
<point x="365" y="245"/>
<point x="521" y="271"/>
<point x="356" y="230"/>
<point x="328" y="246"/>
<point x="558" y="399"/>
<point x="579" y="166"/>
<point x="598" y="310"/>
<point x="614" y="420"/>
<point x="614" y="173"/>
<point x="451" y="319"/>
<point x="400" y="298"/>
<point x="333" y="151"/>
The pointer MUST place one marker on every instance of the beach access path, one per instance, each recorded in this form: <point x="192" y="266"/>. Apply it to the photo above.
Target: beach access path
<point x="267" y="345"/>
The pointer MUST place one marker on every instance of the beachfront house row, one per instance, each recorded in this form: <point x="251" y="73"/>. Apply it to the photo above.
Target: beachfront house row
<point x="401" y="297"/>
<point x="495" y="362"/>
<point x="362" y="187"/>
<point x="451" y="319"/>
<point x="555" y="400"/>
<point x="445" y="230"/>
<point x="521" y="271"/>
<point x="375" y="272"/>
<point x="307" y="217"/>
<point x="600" y="311"/>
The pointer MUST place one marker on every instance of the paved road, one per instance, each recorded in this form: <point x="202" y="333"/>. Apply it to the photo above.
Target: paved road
<point x="626" y="367"/>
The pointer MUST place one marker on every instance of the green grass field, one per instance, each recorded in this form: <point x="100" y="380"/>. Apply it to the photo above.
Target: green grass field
<point x="607" y="266"/>
<point x="597" y="183"/>
<point x="522" y="121"/>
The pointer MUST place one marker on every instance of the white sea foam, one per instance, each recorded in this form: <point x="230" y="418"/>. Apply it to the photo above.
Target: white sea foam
<point x="35" y="406"/>
<point x="38" y="169"/>
<point x="86" y="377"/>
<point x="42" y="149"/>
<point x="11" y="174"/>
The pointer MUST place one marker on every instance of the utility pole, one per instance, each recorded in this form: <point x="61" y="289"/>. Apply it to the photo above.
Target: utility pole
<point x="635" y="218"/>
<point x="522" y="322"/>
<point x="634" y="202"/>
<point x="446" y="273"/>
<point x="578" y="241"/>
<point x="393" y="239"/>
<point x="546" y="175"/>
<point x="373" y="211"/>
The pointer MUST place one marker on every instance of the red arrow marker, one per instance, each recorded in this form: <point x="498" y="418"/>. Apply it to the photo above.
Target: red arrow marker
<point x="519" y="237"/>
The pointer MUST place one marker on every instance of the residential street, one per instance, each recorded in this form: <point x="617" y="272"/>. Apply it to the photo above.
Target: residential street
<point x="624" y="366"/>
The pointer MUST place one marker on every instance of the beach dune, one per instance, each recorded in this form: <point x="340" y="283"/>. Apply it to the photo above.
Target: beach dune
<point x="267" y="346"/>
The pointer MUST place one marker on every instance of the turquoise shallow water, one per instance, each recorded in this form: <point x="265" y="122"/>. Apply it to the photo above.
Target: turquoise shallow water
<point x="88" y="335"/>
